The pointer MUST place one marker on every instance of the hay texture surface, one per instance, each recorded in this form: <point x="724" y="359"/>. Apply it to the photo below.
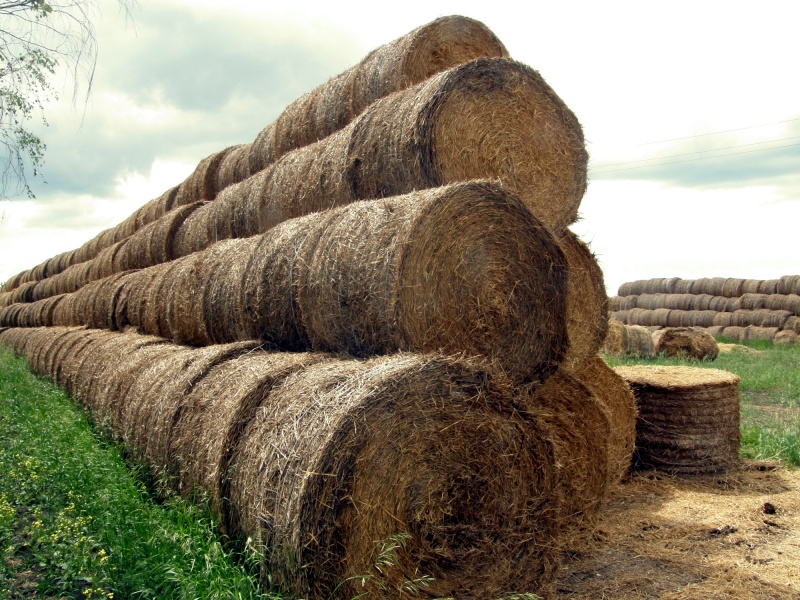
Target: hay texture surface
<point x="471" y="484"/>
<point x="688" y="418"/>
<point x="686" y="342"/>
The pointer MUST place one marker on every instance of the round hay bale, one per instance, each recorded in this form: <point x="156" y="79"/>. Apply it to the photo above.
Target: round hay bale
<point x="638" y="342"/>
<point x="791" y="303"/>
<point x="769" y="318"/>
<point x="639" y="316"/>
<point x="742" y="317"/>
<point x="732" y="288"/>
<point x="762" y="333"/>
<point x="615" y="338"/>
<point x="752" y="301"/>
<point x="768" y="286"/>
<point x="734" y="332"/>
<point x="792" y="324"/>
<point x="683" y="286"/>
<point x="716" y="286"/>
<point x="632" y="288"/>
<point x="723" y="319"/>
<point x="234" y="166"/>
<point x="473" y="488"/>
<point x="587" y="302"/>
<point x="693" y="343"/>
<point x="455" y="127"/>
<point x="688" y="418"/>
<point x="579" y="426"/>
<point x="620" y="315"/>
<point x="789" y="284"/>
<point x="411" y="59"/>
<point x="217" y="411"/>
<point x="750" y="286"/>
<point x="786" y="338"/>
<point x="718" y="303"/>
<point x="191" y="235"/>
<point x="613" y="392"/>
<point x="201" y="184"/>
<point x="651" y="301"/>
<point x="677" y="318"/>
<point x="392" y="275"/>
<point x="701" y="285"/>
<point x="615" y="303"/>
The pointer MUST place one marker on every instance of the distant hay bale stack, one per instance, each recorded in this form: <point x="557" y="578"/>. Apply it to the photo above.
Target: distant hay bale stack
<point x="615" y="394"/>
<point x="471" y="478"/>
<point x="789" y="284"/>
<point x="587" y="302"/>
<point x="463" y="268"/>
<point x="455" y="127"/>
<point x="686" y="342"/>
<point x="578" y="424"/>
<point x="688" y="418"/>
<point x="406" y="61"/>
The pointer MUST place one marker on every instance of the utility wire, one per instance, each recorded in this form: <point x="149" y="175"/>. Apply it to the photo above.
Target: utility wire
<point x="717" y="132"/>
<point x="692" y="159"/>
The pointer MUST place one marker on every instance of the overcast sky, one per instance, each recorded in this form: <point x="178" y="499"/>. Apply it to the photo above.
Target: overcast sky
<point x="691" y="112"/>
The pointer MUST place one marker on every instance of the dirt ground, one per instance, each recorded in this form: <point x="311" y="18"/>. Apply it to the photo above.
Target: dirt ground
<point x="659" y="536"/>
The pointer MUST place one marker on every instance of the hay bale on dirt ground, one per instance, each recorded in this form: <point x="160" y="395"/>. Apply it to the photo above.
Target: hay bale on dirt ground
<point x="615" y="394"/>
<point x="694" y="343"/>
<point x="472" y="489"/>
<point x="688" y="418"/>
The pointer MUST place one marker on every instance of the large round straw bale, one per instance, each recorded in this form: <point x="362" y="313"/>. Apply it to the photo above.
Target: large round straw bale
<point x="763" y="333"/>
<point x="157" y="318"/>
<point x="613" y="392"/>
<point x="394" y="274"/>
<point x="217" y="411"/>
<point x="473" y="488"/>
<point x="234" y="166"/>
<point x="23" y="292"/>
<point x="413" y="58"/>
<point x="786" y="338"/>
<point x="458" y="126"/>
<point x="191" y="236"/>
<point x="202" y="183"/>
<point x="687" y="342"/>
<point x="579" y="427"/>
<point x="638" y="342"/>
<point x="789" y="284"/>
<point x="615" y="338"/>
<point x="792" y="324"/>
<point x="82" y="358"/>
<point x="132" y="304"/>
<point x="587" y="302"/>
<point x="768" y="286"/>
<point x="688" y="418"/>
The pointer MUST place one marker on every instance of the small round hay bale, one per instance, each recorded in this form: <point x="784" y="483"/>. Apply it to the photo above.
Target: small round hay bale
<point x="650" y="301"/>
<point x="773" y="302"/>
<point x="732" y="288"/>
<point x="688" y="418"/>
<point x="683" y="286"/>
<point x="701" y="285"/>
<point x="632" y="288"/>
<point x="760" y="333"/>
<point x="701" y="301"/>
<point x="716" y="286"/>
<point x="587" y="302"/>
<point x="769" y="318"/>
<point x="742" y="317"/>
<point x="684" y="301"/>
<point x="786" y="338"/>
<point x="677" y="318"/>
<point x="620" y="315"/>
<point x="734" y="332"/>
<point x="723" y="319"/>
<point x="693" y="343"/>
<point x="638" y="342"/>
<point x="792" y="324"/>
<point x="639" y="316"/>
<point x="705" y="318"/>
<point x="718" y="303"/>
<point x="471" y="478"/>
<point x="615" y="303"/>
<point x="234" y="166"/>
<point x="202" y="183"/>
<point x="659" y="317"/>
<point x="768" y="286"/>
<point x="752" y="301"/>
<point x="791" y="303"/>
<point x="579" y="426"/>
<point x="615" y="338"/>
<point x="392" y="274"/>
<point x="750" y="286"/>
<point x="789" y="284"/>
<point x="192" y="234"/>
<point x="613" y="392"/>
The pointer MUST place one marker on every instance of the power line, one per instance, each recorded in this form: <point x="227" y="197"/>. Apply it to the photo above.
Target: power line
<point x="656" y="158"/>
<point x="717" y="132"/>
<point x="694" y="159"/>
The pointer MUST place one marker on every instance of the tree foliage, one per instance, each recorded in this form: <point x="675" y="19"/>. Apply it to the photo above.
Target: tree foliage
<point x="36" y="38"/>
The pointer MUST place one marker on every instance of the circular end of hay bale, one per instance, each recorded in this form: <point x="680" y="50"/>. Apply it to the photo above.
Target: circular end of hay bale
<point x="688" y="419"/>
<point x="541" y="158"/>
<point x="687" y="342"/>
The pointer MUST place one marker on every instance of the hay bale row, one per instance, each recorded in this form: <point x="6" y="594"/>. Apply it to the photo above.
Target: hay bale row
<point x="416" y="139"/>
<point x="690" y="302"/>
<point x="663" y="317"/>
<point x="432" y="48"/>
<point x="729" y="287"/>
<point x="688" y="418"/>
<point x="368" y="278"/>
<point x="297" y="456"/>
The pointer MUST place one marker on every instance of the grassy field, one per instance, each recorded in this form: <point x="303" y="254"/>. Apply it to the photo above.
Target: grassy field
<point x="770" y="394"/>
<point x="77" y="521"/>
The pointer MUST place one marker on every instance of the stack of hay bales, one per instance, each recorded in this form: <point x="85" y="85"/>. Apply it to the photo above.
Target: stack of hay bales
<point x="730" y="308"/>
<point x="688" y="418"/>
<point x="427" y="312"/>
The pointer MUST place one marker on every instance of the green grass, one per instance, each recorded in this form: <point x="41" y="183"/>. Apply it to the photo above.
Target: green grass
<point x="770" y="393"/>
<point x="76" y="522"/>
